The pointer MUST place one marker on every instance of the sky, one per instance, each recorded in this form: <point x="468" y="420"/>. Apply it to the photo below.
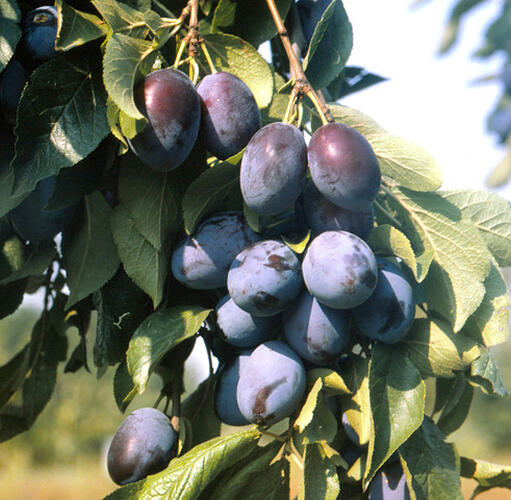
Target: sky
<point x="429" y="99"/>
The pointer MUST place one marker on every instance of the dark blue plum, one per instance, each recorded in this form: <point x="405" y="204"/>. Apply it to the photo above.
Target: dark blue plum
<point x="273" y="169"/>
<point x="389" y="484"/>
<point x="310" y="12"/>
<point x="388" y="313"/>
<point x="351" y="454"/>
<point x="241" y="329"/>
<point x="343" y="166"/>
<point x="350" y="431"/>
<point x="340" y="269"/>
<point x="322" y="215"/>
<point x="12" y="82"/>
<point x="141" y="446"/>
<point x="32" y="222"/>
<point x="169" y="101"/>
<point x="272" y="383"/>
<point x="265" y="278"/>
<point x="318" y="333"/>
<point x="230" y="116"/>
<point x="40" y="33"/>
<point x="226" y="404"/>
<point x="202" y="261"/>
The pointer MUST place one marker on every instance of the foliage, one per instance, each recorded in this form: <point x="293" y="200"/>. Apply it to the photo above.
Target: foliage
<point x="76" y="118"/>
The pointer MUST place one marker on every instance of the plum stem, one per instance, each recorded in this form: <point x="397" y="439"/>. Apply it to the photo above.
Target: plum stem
<point x="176" y="400"/>
<point x="207" y="55"/>
<point x="301" y="85"/>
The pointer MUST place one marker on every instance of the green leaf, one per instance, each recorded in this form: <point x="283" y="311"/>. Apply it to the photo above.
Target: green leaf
<point x="456" y="410"/>
<point x="436" y="351"/>
<point x="76" y="27"/>
<point x="59" y="123"/>
<point x="250" y="20"/>
<point x="124" y="63"/>
<point x="490" y="323"/>
<point x="501" y="174"/>
<point x="491" y="215"/>
<point x="9" y="10"/>
<point x="156" y="335"/>
<point x="123" y="387"/>
<point x="144" y="264"/>
<point x="432" y="466"/>
<point x="13" y="373"/>
<point x="332" y="382"/>
<point x="11" y="35"/>
<point x="89" y="254"/>
<point x="329" y="47"/>
<point x="488" y="475"/>
<point x="397" y="393"/>
<point x="206" y="193"/>
<point x="320" y="481"/>
<point x="236" y="56"/>
<point x="387" y="241"/>
<point x="188" y="475"/>
<point x="406" y="163"/>
<point x="485" y="374"/>
<point x="454" y="286"/>
<point x="198" y="408"/>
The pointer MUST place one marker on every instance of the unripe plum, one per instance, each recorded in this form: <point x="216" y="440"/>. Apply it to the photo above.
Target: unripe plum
<point x="40" y="32"/>
<point x="169" y="101"/>
<point x="343" y="166"/>
<point x="316" y="332"/>
<point x="388" y="313"/>
<point x="230" y="116"/>
<point x="389" y="484"/>
<point x="32" y="222"/>
<point x="12" y="82"/>
<point x="272" y="383"/>
<point x="226" y="404"/>
<point x="202" y="261"/>
<point x="340" y="269"/>
<point x="273" y="169"/>
<point x="241" y="329"/>
<point x="264" y="278"/>
<point x="141" y="446"/>
<point x="322" y="215"/>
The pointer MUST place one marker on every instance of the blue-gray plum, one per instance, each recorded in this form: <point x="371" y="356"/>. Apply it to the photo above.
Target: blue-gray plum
<point x="240" y="328"/>
<point x="202" y="261"/>
<point x="39" y="33"/>
<point x="169" y="101"/>
<point x="32" y="222"/>
<point x="316" y="332"/>
<point x="340" y="269"/>
<point x="388" y="313"/>
<point x="265" y="278"/>
<point x="389" y="484"/>
<point x="343" y="166"/>
<point x="351" y="454"/>
<point x="350" y="431"/>
<point x="142" y="445"/>
<point x="226" y="404"/>
<point x="230" y="116"/>
<point x="322" y="215"/>
<point x="310" y="12"/>
<point x="12" y="82"/>
<point x="272" y="383"/>
<point x="273" y="169"/>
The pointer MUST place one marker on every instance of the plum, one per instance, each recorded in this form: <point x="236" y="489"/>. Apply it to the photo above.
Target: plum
<point x="39" y="33"/>
<point x="32" y="222"/>
<point x="340" y="269"/>
<point x="351" y="454"/>
<point x="350" y="431"/>
<point x="316" y="332"/>
<point x="230" y="116"/>
<point x="322" y="215"/>
<point x="389" y="484"/>
<point x="169" y="101"/>
<point x="12" y="82"/>
<point x="241" y="329"/>
<point x="388" y="313"/>
<point x="273" y="169"/>
<point x="226" y="404"/>
<point x="202" y="261"/>
<point x="272" y="383"/>
<point x="142" y="445"/>
<point x="343" y="166"/>
<point x="265" y="278"/>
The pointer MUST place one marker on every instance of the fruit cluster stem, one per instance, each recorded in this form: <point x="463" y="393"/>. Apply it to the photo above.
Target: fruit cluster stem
<point x="301" y="85"/>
